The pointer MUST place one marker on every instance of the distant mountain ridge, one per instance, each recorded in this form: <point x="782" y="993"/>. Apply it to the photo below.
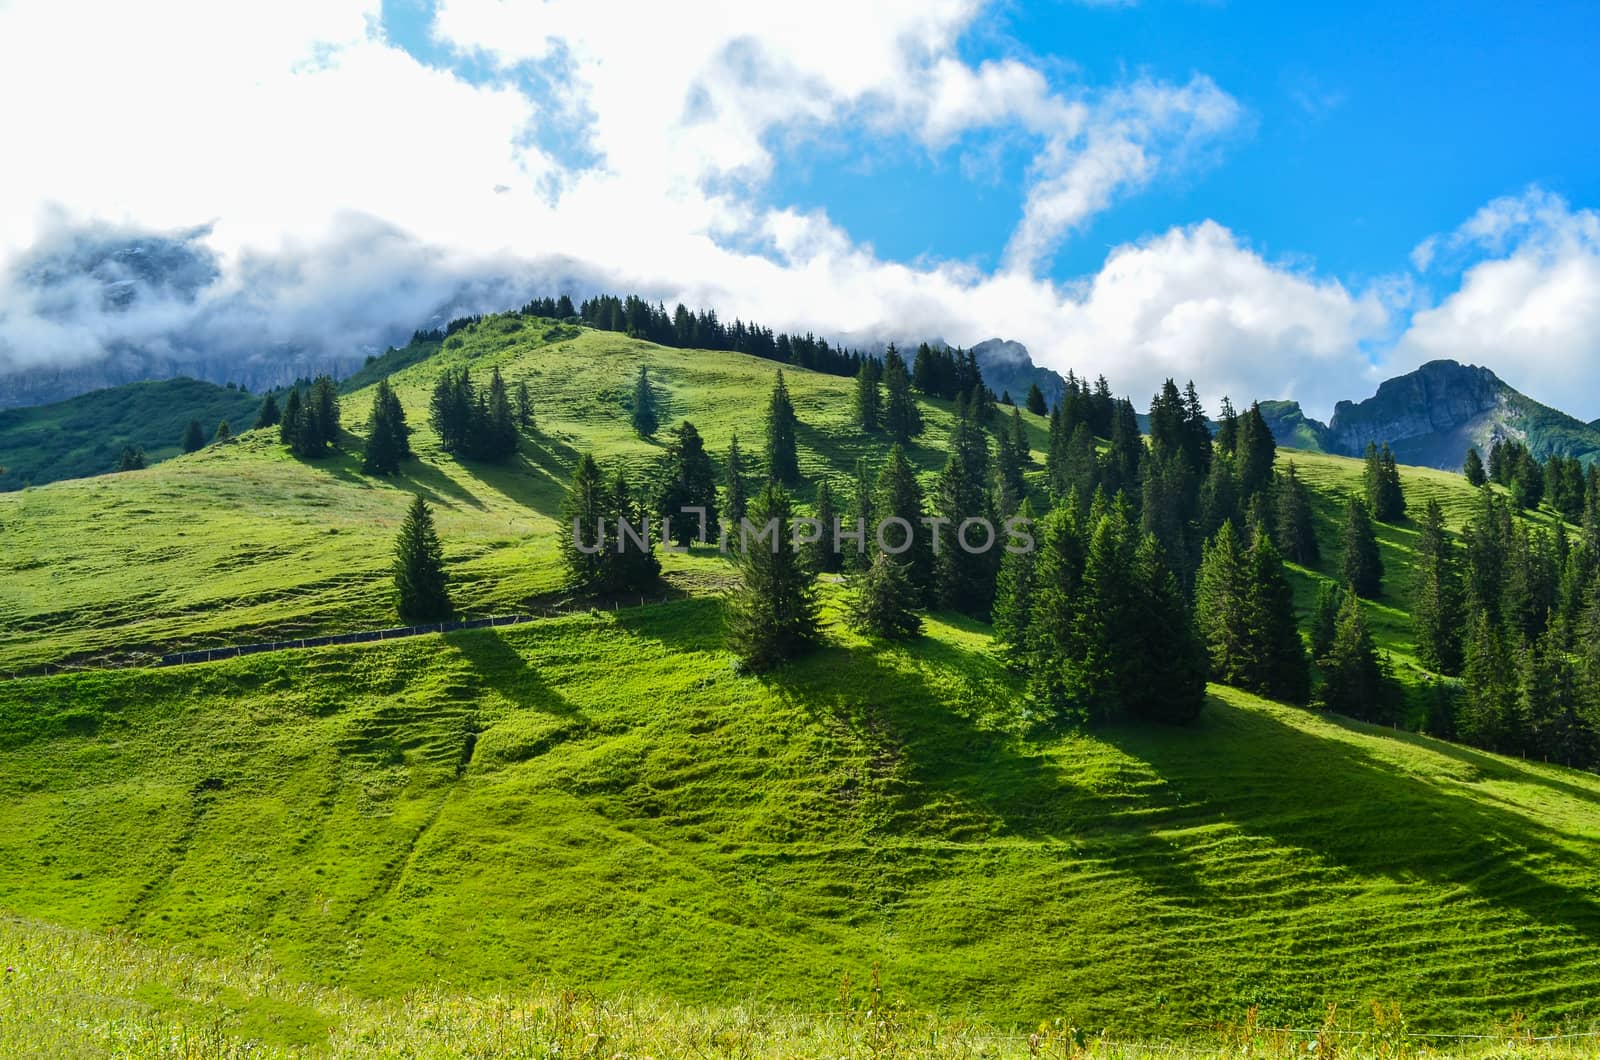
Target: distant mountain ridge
<point x="1007" y="367"/>
<point x="1432" y="415"/>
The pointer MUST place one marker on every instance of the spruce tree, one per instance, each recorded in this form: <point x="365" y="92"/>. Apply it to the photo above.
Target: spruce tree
<point x="269" y="414"/>
<point x="688" y="480"/>
<point x="322" y="417"/>
<point x="1296" y="530"/>
<point x="586" y="510"/>
<point x="772" y="614"/>
<point x="825" y="554"/>
<point x="1035" y="402"/>
<point x="645" y="417"/>
<point x="1019" y="438"/>
<point x="964" y="566"/>
<point x="223" y="433"/>
<point x="1353" y="682"/>
<point x="883" y="602"/>
<point x="631" y="559"/>
<point x="293" y="421"/>
<point x="194" y="437"/>
<point x="1058" y="578"/>
<point x="524" y="406"/>
<point x="384" y="435"/>
<point x="1227" y="427"/>
<point x="1220" y="607"/>
<point x="735" y="494"/>
<point x="783" y="460"/>
<point x="901" y="417"/>
<point x="1362" y="567"/>
<point x="1013" y="598"/>
<point x="420" y="582"/>
<point x="868" y="409"/>
<point x="1489" y="705"/>
<point x="898" y="497"/>
<point x="1325" y="620"/>
<point x="1256" y="452"/>
<point x="1009" y="460"/>
<point x="1473" y="469"/>
<point x="1169" y="677"/>
<point x="132" y="459"/>
<point x="1102" y="661"/>
<point x="1384" y="493"/>
<point x="1437" y="612"/>
<point x="1125" y="459"/>
<point x="498" y="433"/>
<point x="1277" y="657"/>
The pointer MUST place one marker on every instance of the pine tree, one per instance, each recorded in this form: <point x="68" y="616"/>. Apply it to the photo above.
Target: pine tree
<point x="1489" y="707"/>
<point x="1227" y="427"/>
<point x="772" y="615"/>
<point x="1385" y="496"/>
<point x="883" y="603"/>
<point x="1362" y="568"/>
<point x="1009" y="459"/>
<point x="631" y="559"/>
<point x="1058" y="578"/>
<point x="1169" y="676"/>
<point x="269" y="414"/>
<point x="223" y="433"/>
<point x="420" y="582"/>
<point x="1035" y="402"/>
<point x="964" y="566"/>
<point x="194" y="437"/>
<point x="897" y="504"/>
<point x="1296" y="530"/>
<point x="384" y="435"/>
<point x="901" y="416"/>
<point x="1437" y="612"/>
<point x="293" y="422"/>
<point x="1474" y="469"/>
<point x="1257" y="452"/>
<point x="735" y="494"/>
<point x="524" y="406"/>
<point x="689" y="481"/>
<point x="1125" y="459"/>
<point x="322" y="417"/>
<point x="825" y="554"/>
<point x="132" y="459"/>
<point x="783" y="460"/>
<point x="498" y="432"/>
<point x="1325" y="621"/>
<point x="585" y="512"/>
<point x="1277" y="657"/>
<point x="1353" y="681"/>
<point x="645" y="417"/>
<point x="1013" y="603"/>
<point x="1219" y="607"/>
<point x="868" y="409"/>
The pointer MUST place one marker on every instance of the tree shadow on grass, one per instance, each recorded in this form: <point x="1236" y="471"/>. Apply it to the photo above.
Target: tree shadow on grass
<point x="1340" y="803"/>
<point x="499" y="666"/>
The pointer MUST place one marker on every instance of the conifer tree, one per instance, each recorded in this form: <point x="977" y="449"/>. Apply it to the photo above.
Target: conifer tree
<point x="1437" y="613"/>
<point x="1489" y="705"/>
<point x="1219" y="495"/>
<point x="524" y="406"/>
<point x="1220" y="604"/>
<point x="499" y="432"/>
<point x="322" y="417"/>
<point x="645" y="417"/>
<point x="450" y="410"/>
<point x="1005" y="399"/>
<point x="1009" y="459"/>
<point x="420" y="583"/>
<point x="1362" y="567"/>
<point x="898" y="497"/>
<point x="783" y="460"/>
<point x="1353" y="681"/>
<point x="883" y="602"/>
<point x="1385" y="496"/>
<point x="132" y="459"/>
<point x="1169" y="675"/>
<point x="1019" y="438"/>
<point x="1296" y="530"/>
<point x="1256" y="452"/>
<point x="194" y="437"/>
<point x="1058" y="577"/>
<point x="772" y="615"/>
<point x="735" y="494"/>
<point x="901" y="417"/>
<point x="1473" y="469"/>
<point x="868" y="408"/>
<point x="1227" y="427"/>
<point x="1277" y="657"/>
<point x="1013" y="603"/>
<point x="1325" y="621"/>
<point x="269" y="414"/>
<point x="385" y="435"/>
<point x="825" y="554"/>
<point x="293" y="421"/>
<point x="631" y="561"/>
<point x="1125" y="459"/>
<point x="688" y="481"/>
<point x="223" y="433"/>
<point x="964" y="565"/>
<point x="585" y="511"/>
<point x="1035" y="402"/>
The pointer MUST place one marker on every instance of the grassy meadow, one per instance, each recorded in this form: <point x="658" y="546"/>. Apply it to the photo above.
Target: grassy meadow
<point x="376" y="849"/>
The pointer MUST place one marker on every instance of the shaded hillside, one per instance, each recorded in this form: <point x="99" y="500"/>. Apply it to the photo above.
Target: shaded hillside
<point x="1008" y="367"/>
<point x="85" y="435"/>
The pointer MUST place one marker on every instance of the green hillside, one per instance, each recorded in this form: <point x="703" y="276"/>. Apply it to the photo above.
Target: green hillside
<point x="599" y="800"/>
<point x="85" y="435"/>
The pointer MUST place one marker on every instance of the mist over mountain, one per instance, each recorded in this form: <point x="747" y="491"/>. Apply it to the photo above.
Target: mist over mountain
<point x="1008" y="368"/>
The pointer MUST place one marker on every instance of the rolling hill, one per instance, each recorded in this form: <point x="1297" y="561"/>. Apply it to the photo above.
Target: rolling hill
<point x="599" y="799"/>
<point x="85" y="435"/>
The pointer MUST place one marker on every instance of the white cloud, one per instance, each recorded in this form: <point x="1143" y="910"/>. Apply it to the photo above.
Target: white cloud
<point x="1531" y="311"/>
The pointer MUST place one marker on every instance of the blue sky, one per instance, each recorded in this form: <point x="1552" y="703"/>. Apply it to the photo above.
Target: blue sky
<point x="1277" y="200"/>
